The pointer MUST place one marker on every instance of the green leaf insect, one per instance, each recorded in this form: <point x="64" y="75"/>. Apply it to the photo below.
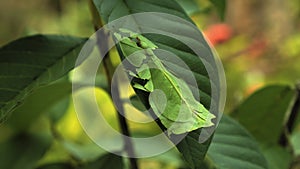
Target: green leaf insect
<point x="170" y="98"/>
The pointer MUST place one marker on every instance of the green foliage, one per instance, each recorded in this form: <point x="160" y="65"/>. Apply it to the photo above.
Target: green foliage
<point x="35" y="95"/>
<point x="177" y="109"/>
<point x="220" y="6"/>
<point x="86" y="152"/>
<point x="268" y="113"/>
<point x="56" y="166"/>
<point x="193" y="152"/>
<point x="30" y="62"/>
<point x="106" y="161"/>
<point x="277" y="157"/>
<point x="193" y="7"/>
<point x="295" y="140"/>
<point x="23" y="150"/>
<point x="190" y="6"/>
<point x="31" y="108"/>
<point x="111" y="161"/>
<point x="233" y="147"/>
<point x="109" y="12"/>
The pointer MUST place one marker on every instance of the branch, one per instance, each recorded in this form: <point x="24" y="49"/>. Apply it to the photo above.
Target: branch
<point x="128" y="146"/>
<point x="109" y="70"/>
<point x="291" y="120"/>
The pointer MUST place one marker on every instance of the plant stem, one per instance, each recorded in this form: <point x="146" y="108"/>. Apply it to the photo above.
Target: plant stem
<point x="102" y="43"/>
<point x="291" y="120"/>
<point x="128" y="146"/>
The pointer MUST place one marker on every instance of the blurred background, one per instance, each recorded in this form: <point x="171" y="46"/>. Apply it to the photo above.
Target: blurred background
<point x="258" y="43"/>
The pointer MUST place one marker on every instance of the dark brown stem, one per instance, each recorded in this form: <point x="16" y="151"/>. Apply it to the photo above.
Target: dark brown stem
<point x="102" y="43"/>
<point x="291" y="120"/>
<point x="128" y="146"/>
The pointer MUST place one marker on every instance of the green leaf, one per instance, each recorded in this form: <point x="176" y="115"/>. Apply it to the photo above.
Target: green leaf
<point x="233" y="147"/>
<point x="295" y="142"/>
<point x="266" y="107"/>
<point x="190" y="6"/>
<point x="173" y="101"/>
<point x="277" y="157"/>
<point x="37" y="103"/>
<point x="110" y="161"/>
<point x="170" y="158"/>
<point x="193" y="152"/>
<point x="33" y="61"/>
<point x="220" y="6"/>
<point x="83" y="152"/>
<point x="23" y="151"/>
<point x="110" y="10"/>
<point x="56" y="166"/>
<point x="136" y="102"/>
<point x="59" y="109"/>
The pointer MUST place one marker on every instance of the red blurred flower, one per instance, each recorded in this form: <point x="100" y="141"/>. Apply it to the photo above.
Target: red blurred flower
<point x="218" y="33"/>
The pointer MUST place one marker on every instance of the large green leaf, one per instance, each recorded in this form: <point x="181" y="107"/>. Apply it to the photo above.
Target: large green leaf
<point x="233" y="147"/>
<point x="110" y="10"/>
<point x="264" y="112"/>
<point x="33" y="61"/>
<point x="23" y="151"/>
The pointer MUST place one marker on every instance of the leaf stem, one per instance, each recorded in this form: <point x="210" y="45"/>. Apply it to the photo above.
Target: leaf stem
<point x="109" y="70"/>
<point x="128" y="146"/>
<point x="291" y="121"/>
<point x="283" y="140"/>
